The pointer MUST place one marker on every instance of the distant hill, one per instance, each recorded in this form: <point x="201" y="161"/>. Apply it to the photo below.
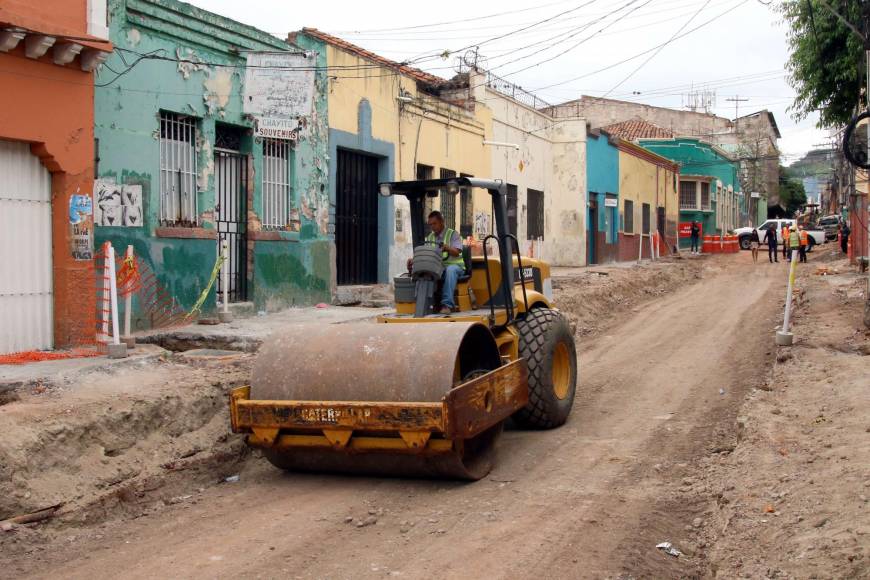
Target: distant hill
<point x="816" y="163"/>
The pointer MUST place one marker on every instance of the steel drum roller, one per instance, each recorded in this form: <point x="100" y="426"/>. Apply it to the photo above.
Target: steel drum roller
<point x="413" y="362"/>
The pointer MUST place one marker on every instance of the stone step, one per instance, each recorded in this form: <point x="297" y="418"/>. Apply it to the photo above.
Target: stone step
<point x="363" y="295"/>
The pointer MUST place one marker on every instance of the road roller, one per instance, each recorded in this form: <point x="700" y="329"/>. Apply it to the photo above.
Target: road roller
<point x="419" y="392"/>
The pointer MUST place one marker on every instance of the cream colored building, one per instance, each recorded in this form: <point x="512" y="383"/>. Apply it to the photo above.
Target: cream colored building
<point x="543" y="161"/>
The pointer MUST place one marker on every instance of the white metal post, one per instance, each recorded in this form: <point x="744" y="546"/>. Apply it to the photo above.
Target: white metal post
<point x="128" y="300"/>
<point x="106" y="300"/>
<point x="113" y="289"/>
<point x="639" y="247"/>
<point x="784" y="337"/>
<point x="225" y="274"/>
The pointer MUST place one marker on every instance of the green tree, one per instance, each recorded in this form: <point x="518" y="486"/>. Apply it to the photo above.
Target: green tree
<point x="827" y="59"/>
<point x="792" y="194"/>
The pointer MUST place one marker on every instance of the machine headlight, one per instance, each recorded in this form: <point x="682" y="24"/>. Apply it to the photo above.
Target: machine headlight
<point x="548" y="288"/>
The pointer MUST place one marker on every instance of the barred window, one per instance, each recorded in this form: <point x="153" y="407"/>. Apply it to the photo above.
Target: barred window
<point x="466" y="210"/>
<point x="426" y="172"/>
<point x="705" y="195"/>
<point x="177" y="169"/>
<point x="448" y="201"/>
<point x="276" y="183"/>
<point x="512" y="208"/>
<point x="535" y="214"/>
<point x="628" y="217"/>
<point x="688" y="195"/>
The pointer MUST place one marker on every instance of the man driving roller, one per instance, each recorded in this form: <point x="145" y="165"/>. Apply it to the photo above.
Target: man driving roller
<point x="448" y="240"/>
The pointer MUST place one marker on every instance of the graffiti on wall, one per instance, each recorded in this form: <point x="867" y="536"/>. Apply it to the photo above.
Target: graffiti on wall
<point x="481" y="224"/>
<point x="117" y="205"/>
<point x="81" y="226"/>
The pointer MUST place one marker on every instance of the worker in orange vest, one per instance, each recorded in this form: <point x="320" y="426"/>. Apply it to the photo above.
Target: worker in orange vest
<point x="804" y="241"/>
<point x="785" y="238"/>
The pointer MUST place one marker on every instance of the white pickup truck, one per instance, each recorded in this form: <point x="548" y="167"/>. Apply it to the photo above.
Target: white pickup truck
<point x="816" y="236"/>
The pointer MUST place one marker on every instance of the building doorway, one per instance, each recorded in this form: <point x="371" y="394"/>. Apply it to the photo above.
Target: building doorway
<point x="592" y="242"/>
<point x="356" y="219"/>
<point x="231" y="210"/>
<point x="660" y="224"/>
<point x="26" y="297"/>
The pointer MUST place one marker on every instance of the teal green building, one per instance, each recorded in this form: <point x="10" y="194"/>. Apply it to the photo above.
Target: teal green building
<point x="209" y="131"/>
<point x="709" y="189"/>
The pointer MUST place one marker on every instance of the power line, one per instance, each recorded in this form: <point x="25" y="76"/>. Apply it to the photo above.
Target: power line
<point x="640" y="54"/>
<point x="653" y="55"/>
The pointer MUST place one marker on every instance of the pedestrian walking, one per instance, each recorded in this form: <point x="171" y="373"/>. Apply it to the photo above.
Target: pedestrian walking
<point x="844" y="237"/>
<point x="772" y="247"/>
<point x="785" y="234"/>
<point x="696" y="234"/>
<point x="794" y="242"/>
<point x="753" y="244"/>
<point x="804" y="238"/>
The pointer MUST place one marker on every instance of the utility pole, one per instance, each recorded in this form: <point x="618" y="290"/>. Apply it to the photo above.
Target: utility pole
<point x="736" y="100"/>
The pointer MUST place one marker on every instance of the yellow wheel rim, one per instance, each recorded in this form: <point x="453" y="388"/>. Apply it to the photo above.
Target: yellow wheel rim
<point x="561" y="371"/>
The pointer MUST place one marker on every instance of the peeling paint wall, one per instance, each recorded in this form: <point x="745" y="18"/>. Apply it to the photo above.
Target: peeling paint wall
<point x="204" y="78"/>
<point x="551" y="158"/>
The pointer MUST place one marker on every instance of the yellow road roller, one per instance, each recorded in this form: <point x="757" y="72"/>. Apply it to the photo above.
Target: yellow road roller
<point x="424" y="391"/>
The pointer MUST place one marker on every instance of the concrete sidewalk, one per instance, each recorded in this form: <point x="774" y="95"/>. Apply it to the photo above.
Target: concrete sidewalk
<point x="247" y="334"/>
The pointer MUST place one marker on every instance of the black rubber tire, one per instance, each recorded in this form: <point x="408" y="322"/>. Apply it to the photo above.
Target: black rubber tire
<point x="744" y="242"/>
<point x="810" y="244"/>
<point x="540" y="332"/>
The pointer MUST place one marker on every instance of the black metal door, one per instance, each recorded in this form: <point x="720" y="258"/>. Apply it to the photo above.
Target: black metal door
<point x="231" y="216"/>
<point x="356" y="219"/>
<point x="593" y="230"/>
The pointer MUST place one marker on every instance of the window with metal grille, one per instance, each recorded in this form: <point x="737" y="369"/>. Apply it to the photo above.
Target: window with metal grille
<point x="535" y="214"/>
<point x="628" y="217"/>
<point x="688" y="195"/>
<point x="512" y="207"/>
<point x="426" y="172"/>
<point x="448" y="201"/>
<point x="276" y="184"/>
<point x="466" y="210"/>
<point x="705" y="195"/>
<point x="177" y="169"/>
<point x="644" y="216"/>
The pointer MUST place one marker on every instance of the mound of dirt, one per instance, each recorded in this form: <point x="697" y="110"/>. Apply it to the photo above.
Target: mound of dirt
<point x="594" y="297"/>
<point x="791" y="501"/>
<point x="110" y="439"/>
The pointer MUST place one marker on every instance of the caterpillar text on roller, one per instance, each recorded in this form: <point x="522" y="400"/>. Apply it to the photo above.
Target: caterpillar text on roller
<point x="422" y="392"/>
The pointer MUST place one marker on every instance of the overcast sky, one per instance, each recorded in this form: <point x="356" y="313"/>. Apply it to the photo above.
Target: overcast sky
<point x="742" y="51"/>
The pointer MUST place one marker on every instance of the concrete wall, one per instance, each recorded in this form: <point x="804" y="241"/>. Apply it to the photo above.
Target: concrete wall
<point x="50" y="106"/>
<point x="286" y="266"/>
<point x="547" y="160"/>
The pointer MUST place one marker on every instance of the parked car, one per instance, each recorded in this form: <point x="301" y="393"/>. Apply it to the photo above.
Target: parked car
<point x="816" y="236"/>
<point x="830" y="224"/>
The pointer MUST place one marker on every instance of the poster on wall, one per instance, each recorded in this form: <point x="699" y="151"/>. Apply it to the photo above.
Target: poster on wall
<point x="117" y="205"/>
<point x="481" y="225"/>
<point x="686" y="230"/>
<point x="81" y="226"/>
<point x="279" y="92"/>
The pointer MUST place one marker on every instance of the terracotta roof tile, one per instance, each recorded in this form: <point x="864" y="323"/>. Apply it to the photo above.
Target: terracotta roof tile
<point x="635" y="129"/>
<point x="417" y="74"/>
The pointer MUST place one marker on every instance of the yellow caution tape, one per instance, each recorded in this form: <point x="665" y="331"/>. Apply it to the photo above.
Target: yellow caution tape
<point x="201" y="300"/>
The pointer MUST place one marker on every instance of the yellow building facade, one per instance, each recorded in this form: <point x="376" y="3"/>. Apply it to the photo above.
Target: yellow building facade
<point x="390" y="122"/>
<point x="648" y="200"/>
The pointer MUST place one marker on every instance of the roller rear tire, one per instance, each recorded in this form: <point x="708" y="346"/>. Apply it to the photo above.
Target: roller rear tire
<point x="547" y="344"/>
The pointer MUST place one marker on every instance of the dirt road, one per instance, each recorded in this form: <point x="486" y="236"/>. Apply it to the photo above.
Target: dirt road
<point x="658" y="396"/>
